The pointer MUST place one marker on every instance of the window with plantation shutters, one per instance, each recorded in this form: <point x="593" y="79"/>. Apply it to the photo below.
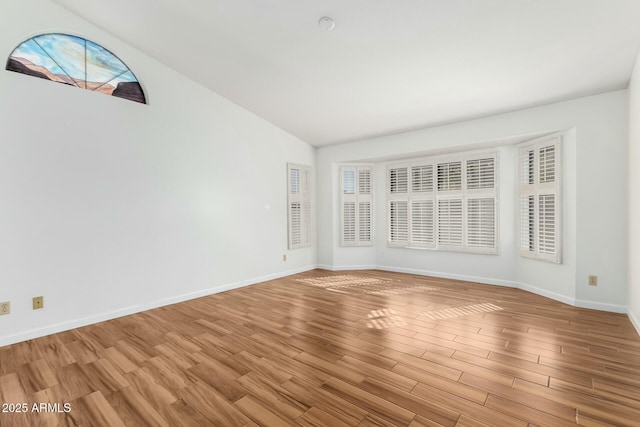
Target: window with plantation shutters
<point x="444" y="203"/>
<point x="356" y="205"/>
<point x="540" y="201"/>
<point x="299" y="206"/>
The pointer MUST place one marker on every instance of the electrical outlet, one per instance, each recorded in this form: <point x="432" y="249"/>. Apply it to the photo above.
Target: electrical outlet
<point x="593" y="280"/>
<point x="5" y="307"/>
<point x="38" y="302"/>
<point x="284" y="257"/>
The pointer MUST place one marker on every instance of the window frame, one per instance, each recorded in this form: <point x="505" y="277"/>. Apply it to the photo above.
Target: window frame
<point x="358" y="198"/>
<point x="534" y="191"/>
<point x="303" y="198"/>
<point x="47" y="55"/>
<point x="440" y="196"/>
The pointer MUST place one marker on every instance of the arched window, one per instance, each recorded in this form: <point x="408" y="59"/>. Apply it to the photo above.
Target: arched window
<point x="77" y="62"/>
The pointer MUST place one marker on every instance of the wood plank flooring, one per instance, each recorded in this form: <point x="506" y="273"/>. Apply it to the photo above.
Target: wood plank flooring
<point x="360" y="348"/>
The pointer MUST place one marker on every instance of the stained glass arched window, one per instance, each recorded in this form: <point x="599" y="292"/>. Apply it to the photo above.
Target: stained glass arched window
<point x="77" y="62"/>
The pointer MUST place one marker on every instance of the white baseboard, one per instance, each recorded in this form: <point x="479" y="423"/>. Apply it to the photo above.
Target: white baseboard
<point x="548" y="294"/>
<point x="347" y="267"/>
<point x="614" y="308"/>
<point x="634" y="320"/>
<point x="78" y="323"/>
<point x="594" y="305"/>
<point x="476" y="279"/>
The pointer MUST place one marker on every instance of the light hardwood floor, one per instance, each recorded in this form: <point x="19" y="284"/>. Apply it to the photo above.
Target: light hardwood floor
<point x="359" y="348"/>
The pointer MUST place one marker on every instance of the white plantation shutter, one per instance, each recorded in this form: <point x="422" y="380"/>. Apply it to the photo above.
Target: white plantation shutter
<point x="398" y="180"/>
<point x="422" y="224"/>
<point x="295" y="224"/>
<point x="480" y="173"/>
<point x="422" y="179"/>
<point x="364" y="223"/>
<point x="527" y="223"/>
<point x="547" y="163"/>
<point x="397" y="213"/>
<point x="356" y="201"/>
<point x="546" y="224"/>
<point x="481" y="198"/>
<point x="299" y="206"/>
<point x="481" y="222"/>
<point x="364" y="180"/>
<point x="447" y="203"/>
<point x="540" y="200"/>
<point x="450" y="222"/>
<point x="349" y="222"/>
<point x="398" y="222"/>
<point x="449" y="176"/>
<point x="449" y="199"/>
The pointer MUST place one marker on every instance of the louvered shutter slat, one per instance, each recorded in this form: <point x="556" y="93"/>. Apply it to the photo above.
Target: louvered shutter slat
<point x="527" y="229"/>
<point x="480" y="173"/>
<point x="547" y="164"/>
<point x="422" y="179"/>
<point x="547" y="224"/>
<point x="364" y="222"/>
<point x="481" y="223"/>
<point x="398" y="222"/>
<point x="349" y="222"/>
<point x="364" y="181"/>
<point x="422" y="225"/>
<point x="450" y="222"/>
<point x="296" y="223"/>
<point x="398" y="180"/>
<point x="449" y="176"/>
<point x="527" y="169"/>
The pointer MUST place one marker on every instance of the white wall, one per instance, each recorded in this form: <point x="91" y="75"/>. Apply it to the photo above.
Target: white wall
<point x="594" y="179"/>
<point x="110" y="207"/>
<point x="634" y="196"/>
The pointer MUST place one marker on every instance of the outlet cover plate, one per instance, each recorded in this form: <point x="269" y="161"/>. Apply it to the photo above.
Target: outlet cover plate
<point x="5" y="307"/>
<point x="38" y="303"/>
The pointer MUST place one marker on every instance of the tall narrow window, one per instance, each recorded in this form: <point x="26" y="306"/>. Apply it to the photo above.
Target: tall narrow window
<point x="299" y="206"/>
<point x="398" y="203"/>
<point x="78" y="62"/>
<point x="444" y="203"/>
<point x="540" y="202"/>
<point x="357" y="209"/>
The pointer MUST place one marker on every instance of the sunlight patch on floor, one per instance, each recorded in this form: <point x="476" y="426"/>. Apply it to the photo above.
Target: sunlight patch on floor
<point x="343" y="281"/>
<point x="384" y="318"/>
<point x="465" y="310"/>
<point x="403" y="290"/>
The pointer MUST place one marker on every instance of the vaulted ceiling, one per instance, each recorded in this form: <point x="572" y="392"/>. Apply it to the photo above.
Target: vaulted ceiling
<point x="389" y="65"/>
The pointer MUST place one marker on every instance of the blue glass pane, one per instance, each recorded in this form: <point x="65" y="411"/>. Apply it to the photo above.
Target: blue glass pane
<point x="102" y="65"/>
<point x="29" y="58"/>
<point x="67" y="51"/>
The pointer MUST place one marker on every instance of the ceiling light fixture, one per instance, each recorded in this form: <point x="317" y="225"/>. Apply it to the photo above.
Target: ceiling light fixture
<point x="326" y="23"/>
